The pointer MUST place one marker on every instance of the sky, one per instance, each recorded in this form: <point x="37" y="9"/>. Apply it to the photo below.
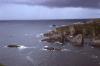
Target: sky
<point x="49" y="9"/>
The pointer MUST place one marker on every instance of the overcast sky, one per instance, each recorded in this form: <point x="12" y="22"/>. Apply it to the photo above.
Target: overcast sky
<point x="49" y="9"/>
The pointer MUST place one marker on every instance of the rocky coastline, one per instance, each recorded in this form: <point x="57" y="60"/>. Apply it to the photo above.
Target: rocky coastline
<point x="75" y="33"/>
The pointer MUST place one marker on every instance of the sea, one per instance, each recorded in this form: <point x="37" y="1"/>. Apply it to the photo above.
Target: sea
<point x="28" y="34"/>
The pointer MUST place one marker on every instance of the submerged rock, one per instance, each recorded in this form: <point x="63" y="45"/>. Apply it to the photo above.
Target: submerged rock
<point x="53" y="25"/>
<point x="13" y="46"/>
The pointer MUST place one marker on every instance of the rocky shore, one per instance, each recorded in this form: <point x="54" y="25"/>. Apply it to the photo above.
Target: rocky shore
<point x="75" y="33"/>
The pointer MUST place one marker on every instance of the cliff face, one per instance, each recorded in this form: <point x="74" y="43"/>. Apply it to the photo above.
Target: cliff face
<point x="89" y="29"/>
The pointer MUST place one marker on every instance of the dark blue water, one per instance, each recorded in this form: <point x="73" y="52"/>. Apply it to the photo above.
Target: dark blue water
<point x="26" y="33"/>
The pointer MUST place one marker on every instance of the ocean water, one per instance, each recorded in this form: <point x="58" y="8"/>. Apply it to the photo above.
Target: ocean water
<point x="31" y="53"/>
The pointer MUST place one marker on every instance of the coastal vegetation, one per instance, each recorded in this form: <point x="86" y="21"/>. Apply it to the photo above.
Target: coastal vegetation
<point x="2" y="65"/>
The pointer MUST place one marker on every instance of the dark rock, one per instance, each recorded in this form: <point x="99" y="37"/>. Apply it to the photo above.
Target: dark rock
<point x="13" y="46"/>
<point x="53" y="25"/>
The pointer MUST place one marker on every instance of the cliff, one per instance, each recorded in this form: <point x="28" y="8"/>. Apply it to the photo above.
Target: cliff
<point x="75" y="33"/>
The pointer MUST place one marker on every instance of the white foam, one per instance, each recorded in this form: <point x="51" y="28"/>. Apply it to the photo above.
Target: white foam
<point x="45" y="46"/>
<point x="22" y="47"/>
<point x="44" y="49"/>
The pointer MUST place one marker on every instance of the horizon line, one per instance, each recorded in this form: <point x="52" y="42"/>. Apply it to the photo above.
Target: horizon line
<point x="48" y="19"/>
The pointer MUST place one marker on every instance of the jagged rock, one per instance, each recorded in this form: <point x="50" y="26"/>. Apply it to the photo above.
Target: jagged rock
<point x="53" y="25"/>
<point x="77" y="40"/>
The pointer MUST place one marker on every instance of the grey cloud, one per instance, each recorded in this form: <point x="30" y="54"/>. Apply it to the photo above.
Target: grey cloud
<point x="73" y="3"/>
<point x="58" y="3"/>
